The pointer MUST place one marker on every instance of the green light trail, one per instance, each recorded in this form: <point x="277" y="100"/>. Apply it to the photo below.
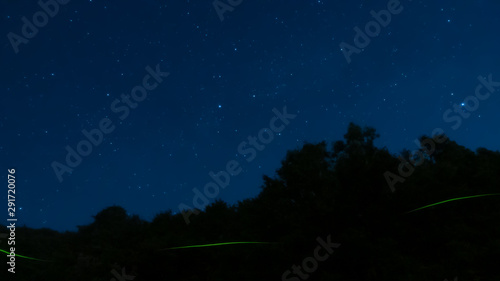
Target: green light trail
<point x="453" y="199"/>
<point x="23" y="256"/>
<point x="215" y="244"/>
<point x="233" y="243"/>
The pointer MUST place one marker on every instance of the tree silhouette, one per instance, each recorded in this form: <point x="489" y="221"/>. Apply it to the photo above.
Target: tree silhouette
<point x="317" y="192"/>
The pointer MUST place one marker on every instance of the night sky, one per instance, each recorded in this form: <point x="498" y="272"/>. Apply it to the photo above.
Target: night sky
<point x="216" y="74"/>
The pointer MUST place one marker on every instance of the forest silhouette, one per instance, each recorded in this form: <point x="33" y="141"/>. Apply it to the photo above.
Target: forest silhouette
<point x="337" y="190"/>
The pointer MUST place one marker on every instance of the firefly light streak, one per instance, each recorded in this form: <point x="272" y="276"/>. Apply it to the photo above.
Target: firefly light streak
<point x="24" y="257"/>
<point x="233" y="243"/>
<point x="172" y="248"/>
<point x="215" y="244"/>
<point x="453" y="199"/>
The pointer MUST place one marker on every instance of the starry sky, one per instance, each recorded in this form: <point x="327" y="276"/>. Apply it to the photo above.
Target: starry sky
<point x="216" y="73"/>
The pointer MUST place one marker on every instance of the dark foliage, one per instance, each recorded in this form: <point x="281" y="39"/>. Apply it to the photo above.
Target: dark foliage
<point x="317" y="192"/>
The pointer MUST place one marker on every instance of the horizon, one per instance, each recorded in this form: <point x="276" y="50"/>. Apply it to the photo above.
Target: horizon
<point x="168" y="106"/>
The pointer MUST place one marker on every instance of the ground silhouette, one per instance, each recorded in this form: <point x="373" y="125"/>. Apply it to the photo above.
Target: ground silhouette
<point x="317" y="192"/>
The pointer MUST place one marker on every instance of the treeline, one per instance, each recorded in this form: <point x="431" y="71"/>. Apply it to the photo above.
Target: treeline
<point x="337" y="191"/>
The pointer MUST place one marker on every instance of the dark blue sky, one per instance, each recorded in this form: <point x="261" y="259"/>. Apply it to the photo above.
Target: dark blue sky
<point x="225" y="78"/>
